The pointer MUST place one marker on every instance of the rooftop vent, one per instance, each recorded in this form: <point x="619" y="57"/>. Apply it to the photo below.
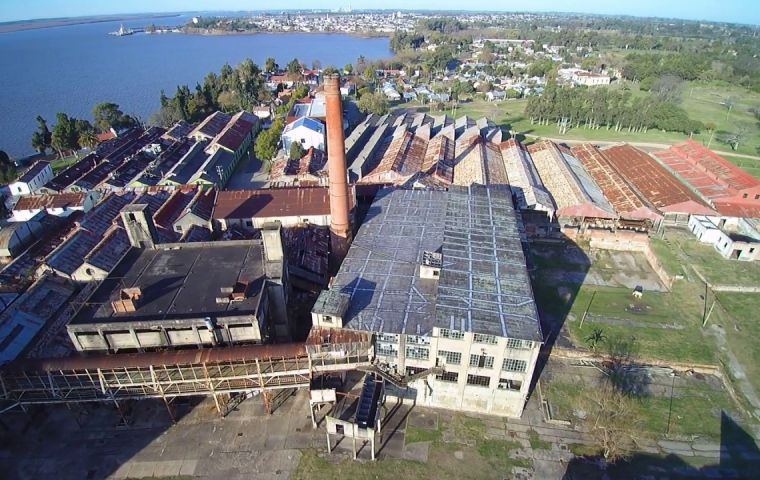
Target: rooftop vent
<point x="431" y="265"/>
<point x="128" y="301"/>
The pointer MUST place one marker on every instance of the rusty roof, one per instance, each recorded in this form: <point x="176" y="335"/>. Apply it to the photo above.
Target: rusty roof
<point x="272" y="202"/>
<point x="622" y="197"/>
<point x="236" y="131"/>
<point x="712" y="175"/>
<point x="653" y="181"/>
<point x="54" y="200"/>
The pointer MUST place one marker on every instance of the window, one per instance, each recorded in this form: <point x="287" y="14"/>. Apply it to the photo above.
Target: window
<point x="414" y="370"/>
<point x="519" y="344"/>
<point x="452" y="334"/>
<point x="417" y="339"/>
<point x="387" y="337"/>
<point x="481" y="361"/>
<point x="757" y="197"/>
<point x="419" y="353"/>
<point x="178" y="228"/>
<point x="249" y="223"/>
<point x="327" y="319"/>
<point x="450" y="358"/>
<point x="482" y="338"/>
<point x="339" y="429"/>
<point x="505" y="384"/>
<point x="479" y="380"/>
<point x="745" y="195"/>
<point x="386" y="349"/>
<point x="452" y="377"/>
<point x="752" y="250"/>
<point x="514" y="365"/>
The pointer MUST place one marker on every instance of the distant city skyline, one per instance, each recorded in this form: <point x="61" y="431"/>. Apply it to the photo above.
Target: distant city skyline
<point x="737" y="11"/>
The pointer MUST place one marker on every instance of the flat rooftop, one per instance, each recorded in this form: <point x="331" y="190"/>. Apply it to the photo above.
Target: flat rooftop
<point x="483" y="285"/>
<point x="180" y="282"/>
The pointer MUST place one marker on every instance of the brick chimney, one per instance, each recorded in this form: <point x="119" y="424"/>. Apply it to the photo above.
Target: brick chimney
<point x="340" y="226"/>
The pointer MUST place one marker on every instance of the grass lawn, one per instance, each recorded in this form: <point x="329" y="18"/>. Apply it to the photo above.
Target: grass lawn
<point x="696" y="411"/>
<point x="477" y="457"/>
<point x="61" y="163"/>
<point x="680" y="248"/>
<point x="743" y="331"/>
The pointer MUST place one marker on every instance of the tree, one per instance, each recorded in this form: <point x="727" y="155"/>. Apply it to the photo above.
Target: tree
<point x="295" y="70"/>
<point x="374" y="102"/>
<point x="348" y="69"/>
<point x="8" y="172"/>
<point x="42" y="137"/>
<point x="296" y="151"/>
<point x="596" y="337"/>
<point x="107" y="115"/>
<point x="612" y="420"/>
<point x="316" y="64"/>
<point x="735" y="137"/>
<point x="64" y="136"/>
<point x="88" y="139"/>
<point x="270" y="66"/>
<point x="668" y="88"/>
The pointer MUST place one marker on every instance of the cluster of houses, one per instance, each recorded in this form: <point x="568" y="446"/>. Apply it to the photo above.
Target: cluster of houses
<point x="182" y="155"/>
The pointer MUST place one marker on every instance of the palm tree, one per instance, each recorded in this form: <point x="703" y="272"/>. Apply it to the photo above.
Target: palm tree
<point x="88" y="139"/>
<point x="596" y="337"/>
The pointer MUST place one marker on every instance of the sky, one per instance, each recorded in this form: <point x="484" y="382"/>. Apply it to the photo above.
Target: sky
<point x="739" y="11"/>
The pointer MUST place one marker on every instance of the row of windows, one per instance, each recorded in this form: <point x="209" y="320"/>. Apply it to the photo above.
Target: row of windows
<point x="452" y="334"/>
<point x="521" y="344"/>
<point x="480" y="381"/>
<point x="386" y="337"/>
<point x="418" y="339"/>
<point x="483" y="338"/>
<point x="514" y="365"/>
<point x="420" y="353"/>
<point x="481" y="361"/>
<point x="386" y="349"/>
<point x="450" y="358"/>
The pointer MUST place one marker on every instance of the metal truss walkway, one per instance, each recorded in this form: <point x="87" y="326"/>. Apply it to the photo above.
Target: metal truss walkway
<point x="167" y="375"/>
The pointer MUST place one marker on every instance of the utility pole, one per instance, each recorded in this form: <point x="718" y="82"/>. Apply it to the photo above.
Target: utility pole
<point x="587" y="308"/>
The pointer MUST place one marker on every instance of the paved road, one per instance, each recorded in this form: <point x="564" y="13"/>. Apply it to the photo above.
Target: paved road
<point x="249" y="175"/>
<point x="643" y="145"/>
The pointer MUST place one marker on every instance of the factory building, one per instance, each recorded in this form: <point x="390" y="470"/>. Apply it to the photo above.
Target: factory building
<point x="439" y="279"/>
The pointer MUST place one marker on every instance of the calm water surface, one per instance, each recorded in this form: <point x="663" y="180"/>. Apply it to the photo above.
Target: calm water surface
<point x="69" y="69"/>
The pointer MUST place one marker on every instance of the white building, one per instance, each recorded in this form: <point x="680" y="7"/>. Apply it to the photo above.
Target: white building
<point x="33" y="179"/>
<point x="734" y="238"/>
<point x="58" y="204"/>
<point x="306" y="131"/>
<point x="590" y="79"/>
<point x="447" y="334"/>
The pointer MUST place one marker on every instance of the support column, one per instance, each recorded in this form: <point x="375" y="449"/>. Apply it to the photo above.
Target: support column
<point x="329" y="449"/>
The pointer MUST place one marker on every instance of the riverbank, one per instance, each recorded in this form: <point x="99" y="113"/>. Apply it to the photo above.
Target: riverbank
<point x="219" y="33"/>
<point x="21" y="25"/>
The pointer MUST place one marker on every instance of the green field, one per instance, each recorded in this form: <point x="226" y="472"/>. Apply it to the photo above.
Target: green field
<point x="696" y="411"/>
<point x="701" y="101"/>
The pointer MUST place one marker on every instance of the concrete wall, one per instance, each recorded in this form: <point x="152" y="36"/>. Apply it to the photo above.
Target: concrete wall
<point x="459" y="395"/>
<point x="290" y="221"/>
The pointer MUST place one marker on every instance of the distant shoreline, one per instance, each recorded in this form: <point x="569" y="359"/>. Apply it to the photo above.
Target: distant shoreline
<point x="216" y="33"/>
<point x="22" y="25"/>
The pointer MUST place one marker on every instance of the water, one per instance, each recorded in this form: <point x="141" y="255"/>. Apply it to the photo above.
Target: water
<point x="70" y="69"/>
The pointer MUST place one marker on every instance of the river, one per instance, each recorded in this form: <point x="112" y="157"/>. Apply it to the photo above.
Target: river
<point x="71" y="68"/>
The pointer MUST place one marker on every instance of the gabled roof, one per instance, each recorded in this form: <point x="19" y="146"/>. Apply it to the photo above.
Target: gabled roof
<point x="307" y="122"/>
<point x="53" y="200"/>
<point x="211" y="125"/>
<point x="33" y="171"/>
<point x="238" y="128"/>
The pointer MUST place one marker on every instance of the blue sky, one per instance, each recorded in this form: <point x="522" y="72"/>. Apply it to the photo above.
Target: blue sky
<point x="742" y="11"/>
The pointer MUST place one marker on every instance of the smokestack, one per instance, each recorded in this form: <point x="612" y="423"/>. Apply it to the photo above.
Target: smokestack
<point x="340" y="227"/>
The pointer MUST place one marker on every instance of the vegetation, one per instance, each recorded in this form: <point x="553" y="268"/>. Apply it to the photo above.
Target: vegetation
<point x="296" y="151"/>
<point x="233" y="89"/>
<point x="373" y="102"/>
<point x="41" y="138"/>
<point x="67" y="133"/>
<point x="7" y="168"/>
<point x="536" y="443"/>
<point x="602" y="107"/>
<point x="267" y="140"/>
<point x="107" y="115"/>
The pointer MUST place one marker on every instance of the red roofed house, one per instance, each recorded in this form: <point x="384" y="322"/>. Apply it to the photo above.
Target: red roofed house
<point x="58" y="204"/>
<point x="290" y="206"/>
<point x="732" y="191"/>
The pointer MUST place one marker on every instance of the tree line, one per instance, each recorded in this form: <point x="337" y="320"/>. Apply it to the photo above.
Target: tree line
<point x="70" y="134"/>
<point x="612" y="109"/>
